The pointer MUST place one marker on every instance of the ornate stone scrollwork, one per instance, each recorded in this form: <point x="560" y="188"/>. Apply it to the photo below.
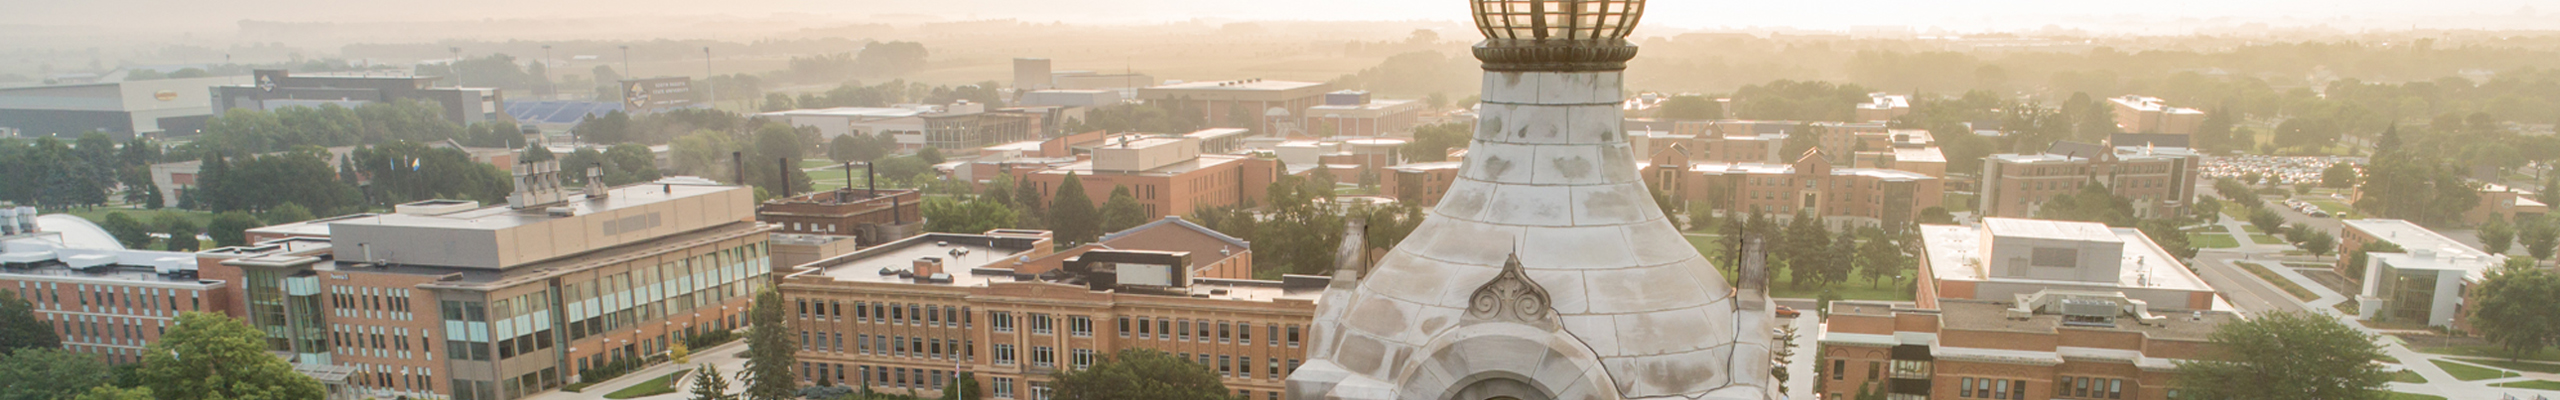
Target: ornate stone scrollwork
<point x="1512" y="297"/>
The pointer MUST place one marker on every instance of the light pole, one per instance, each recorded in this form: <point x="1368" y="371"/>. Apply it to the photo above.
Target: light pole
<point x="455" y="66"/>
<point x="708" y="92"/>
<point x="546" y="71"/>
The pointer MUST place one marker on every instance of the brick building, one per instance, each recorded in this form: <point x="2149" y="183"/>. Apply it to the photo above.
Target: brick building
<point x="871" y="216"/>
<point x="1275" y="108"/>
<point x="2142" y="114"/>
<point x="1883" y="198"/>
<point x="2159" y="180"/>
<point x="1353" y="113"/>
<point x="2026" y="309"/>
<point x="1168" y="175"/>
<point x="447" y="298"/>
<point x="100" y="298"/>
<point x="915" y="314"/>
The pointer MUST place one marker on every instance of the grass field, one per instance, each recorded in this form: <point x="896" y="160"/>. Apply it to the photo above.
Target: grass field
<point x="2336" y="209"/>
<point x="2270" y="276"/>
<point x="2262" y="238"/>
<point x="1957" y="202"/>
<point x="2536" y="384"/>
<point x="2407" y="377"/>
<point x="2412" y="396"/>
<point x="652" y="387"/>
<point x="2516" y="365"/>
<point x="2212" y="241"/>
<point x="2250" y="228"/>
<point x="2470" y="372"/>
<point x="1783" y="286"/>
<point x="2489" y="351"/>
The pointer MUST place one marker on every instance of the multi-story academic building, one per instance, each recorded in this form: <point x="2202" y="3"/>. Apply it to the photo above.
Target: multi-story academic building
<point x="914" y="314"/>
<point x="1167" y="175"/>
<point x="2160" y="180"/>
<point x="449" y="298"/>
<point x="99" y="297"/>
<point x="1882" y="198"/>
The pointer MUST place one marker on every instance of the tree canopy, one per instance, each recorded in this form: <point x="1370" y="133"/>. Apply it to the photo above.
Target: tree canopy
<point x="19" y="328"/>
<point x="2286" y="355"/>
<point x="1141" y="374"/>
<point x="49" y="374"/>
<point x="210" y="356"/>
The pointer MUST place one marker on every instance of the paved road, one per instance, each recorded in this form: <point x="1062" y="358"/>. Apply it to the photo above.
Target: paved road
<point x="2243" y="290"/>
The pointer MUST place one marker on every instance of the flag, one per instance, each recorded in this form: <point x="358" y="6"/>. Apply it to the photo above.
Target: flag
<point x="413" y="163"/>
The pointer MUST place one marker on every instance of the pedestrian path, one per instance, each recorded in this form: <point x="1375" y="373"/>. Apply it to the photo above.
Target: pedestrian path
<point x="724" y="356"/>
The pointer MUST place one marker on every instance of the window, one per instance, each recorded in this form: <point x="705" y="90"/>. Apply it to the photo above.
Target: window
<point x="1275" y="335"/>
<point x="1964" y="387"/>
<point x="1080" y="326"/>
<point x="1083" y="358"/>
<point x="1911" y="369"/>
<point x="1873" y="368"/>
<point x="1164" y="329"/>
<point x="1244" y="367"/>
<point x="1041" y="356"/>
<point x="861" y="312"/>
<point x="1836" y="367"/>
<point x="1293" y="338"/>
<point x="1039" y="323"/>
<point x="1186" y="329"/>
<point x="1004" y="354"/>
<point x="1204" y="331"/>
<point x="1004" y="387"/>
<point x="1223" y="332"/>
<point x="862" y="343"/>
<point x="1244" y="333"/>
<point x="1226" y="366"/>
<point x="1002" y="321"/>
<point x="1124" y="326"/>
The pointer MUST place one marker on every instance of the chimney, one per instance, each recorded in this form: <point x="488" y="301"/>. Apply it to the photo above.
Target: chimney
<point x="896" y="218"/>
<point x="595" y="182"/>
<point x="740" y="159"/>
<point x="927" y="266"/>
<point x="782" y="175"/>
<point x="870" y="182"/>
<point x="848" y="182"/>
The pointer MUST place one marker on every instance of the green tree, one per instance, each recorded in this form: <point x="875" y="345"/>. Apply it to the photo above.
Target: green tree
<point x="19" y="328"/>
<point x="1122" y="211"/>
<point x="231" y="228"/>
<point x="2497" y="236"/>
<point x="210" y="356"/>
<point x="110" y="392"/>
<point x="182" y="232"/>
<point x="2539" y="237"/>
<point x="2286" y="355"/>
<point x="287" y="213"/>
<point x="2165" y="233"/>
<point x="1071" y="214"/>
<point x="2512" y="308"/>
<point x="710" y="385"/>
<point x="1839" y="260"/>
<point x="1691" y="108"/>
<point x="1141" y="374"/>
<point x="2267" y="220"/>
<point x="943" y="214"/>
<point x="964" y="388"/>
<point x="2338" y="176"/>
<point x="1879" y="260"/>
<point x="2093" y="203"/>
<point x="930" y="155"/>
<point x="769" y="350"/>
<point x="127" y="230"/>
<point x="2319" y="242"/>
<point x="49" y="374"/>
<point x="1026" y="202"/>
<point x="1806" y="246"/>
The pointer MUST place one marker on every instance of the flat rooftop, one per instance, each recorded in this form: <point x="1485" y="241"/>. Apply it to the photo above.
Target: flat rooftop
<point x="981" y="261"/>
<point x="501" y="217"/>
<point x="864" y="112"/>
<point x="1186" y="166"/>
<point x="2049" y="229"/>
<point x="1248" y="84"/>
<point x="1983" y="315"/>
<point x="1954" y="253"/>
<point x="2440" y="252"/>
<point x="1767" y="168"/>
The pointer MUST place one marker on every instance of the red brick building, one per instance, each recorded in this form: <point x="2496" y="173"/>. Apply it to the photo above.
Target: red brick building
<point x="870" y="216"/>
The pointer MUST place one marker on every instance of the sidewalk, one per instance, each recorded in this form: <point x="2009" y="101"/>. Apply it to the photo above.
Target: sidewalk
<point x="724" y="356"/>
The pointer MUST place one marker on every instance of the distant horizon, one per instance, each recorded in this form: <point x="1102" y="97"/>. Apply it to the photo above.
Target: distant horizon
<point x="2165" y="16"/>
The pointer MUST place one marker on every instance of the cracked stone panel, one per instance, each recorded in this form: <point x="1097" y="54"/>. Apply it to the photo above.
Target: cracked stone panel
<point x="1500" y="162"/>
<point x="1614" y="204"/>
<point x="1531" y="206"/>
<point x="1639" y="290"/>
<point x="1466" y="199"/>
<point x="1598" y="331"/>
<point x="1567" y="165"/>
<point x="1666" y="332"/>
<point x="1655" y="244"/>
<point x="1470" y="243"/>
<point x="1602" y="247"/>
<point x="1510" y="87"/>
<point x="1594" y="124"/>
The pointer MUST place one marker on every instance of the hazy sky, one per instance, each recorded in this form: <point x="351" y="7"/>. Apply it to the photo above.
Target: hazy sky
<point x="1828" y="14"/>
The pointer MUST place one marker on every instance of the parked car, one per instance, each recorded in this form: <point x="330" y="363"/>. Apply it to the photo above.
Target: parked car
<point x="1788" y="312"/>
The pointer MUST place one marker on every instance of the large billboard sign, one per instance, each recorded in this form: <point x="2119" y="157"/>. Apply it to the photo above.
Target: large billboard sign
<point x="646" y="96"/>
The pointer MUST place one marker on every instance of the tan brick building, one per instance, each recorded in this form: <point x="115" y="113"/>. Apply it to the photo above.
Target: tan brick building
<point x="1882" y="198"/>
<point x="1168" y="175"/>
<point x="2054" y="346"/>
<point x="912" y="315"/>
<point x="870" y="216"/>
<point x="2161" y="181"/>
<point x="450" y="299"/>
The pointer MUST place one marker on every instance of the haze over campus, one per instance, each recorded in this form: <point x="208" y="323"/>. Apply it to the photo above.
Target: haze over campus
<point x="1267" y="200"/>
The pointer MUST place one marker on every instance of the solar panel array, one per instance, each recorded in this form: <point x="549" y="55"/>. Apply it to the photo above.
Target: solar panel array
<point x="558" y="112"/>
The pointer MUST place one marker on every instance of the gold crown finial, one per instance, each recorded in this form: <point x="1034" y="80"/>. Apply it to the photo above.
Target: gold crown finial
<point x="1557" y="19"/>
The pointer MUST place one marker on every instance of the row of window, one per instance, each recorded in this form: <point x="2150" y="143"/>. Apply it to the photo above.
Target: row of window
<point x="888" y="313"/>
<point x="1184" y="329"/>
<point x="1995" y="389"/>
<point x="891" y="346"/>
<point x="2088" y="388"/>
<point x="153" y="300"/>
<point x="346" y="299"/>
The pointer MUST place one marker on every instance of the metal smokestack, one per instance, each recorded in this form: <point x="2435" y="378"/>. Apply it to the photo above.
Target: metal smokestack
<point x="896" y="218"/>
<point x="739" y="159"/>
<point x="848" y="182"/>
<point x="870" y="182"/>
<point x="782" y="175"/>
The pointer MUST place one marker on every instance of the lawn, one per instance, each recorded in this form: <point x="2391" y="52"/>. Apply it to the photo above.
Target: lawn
<point x="2348" y="307"/>
<point x="2336" y="209"/>
<point x="2470" y="372"/>
<point x="2212" y="240"/>
<point x="1956" y="202"/>
<point x="2407" y="377"/>
<point x="2262" y="238"/>
<point x="2536" y="384"/>
<point x="2249" y="228"/>
<point x="2412" y="396"/>
<point x="1782" y="286"/>
<point x="2516" y="365"/>
<point x="652" y="387"/>
<point x="2489" y="351"/>
<point x="2270" y="276"/>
